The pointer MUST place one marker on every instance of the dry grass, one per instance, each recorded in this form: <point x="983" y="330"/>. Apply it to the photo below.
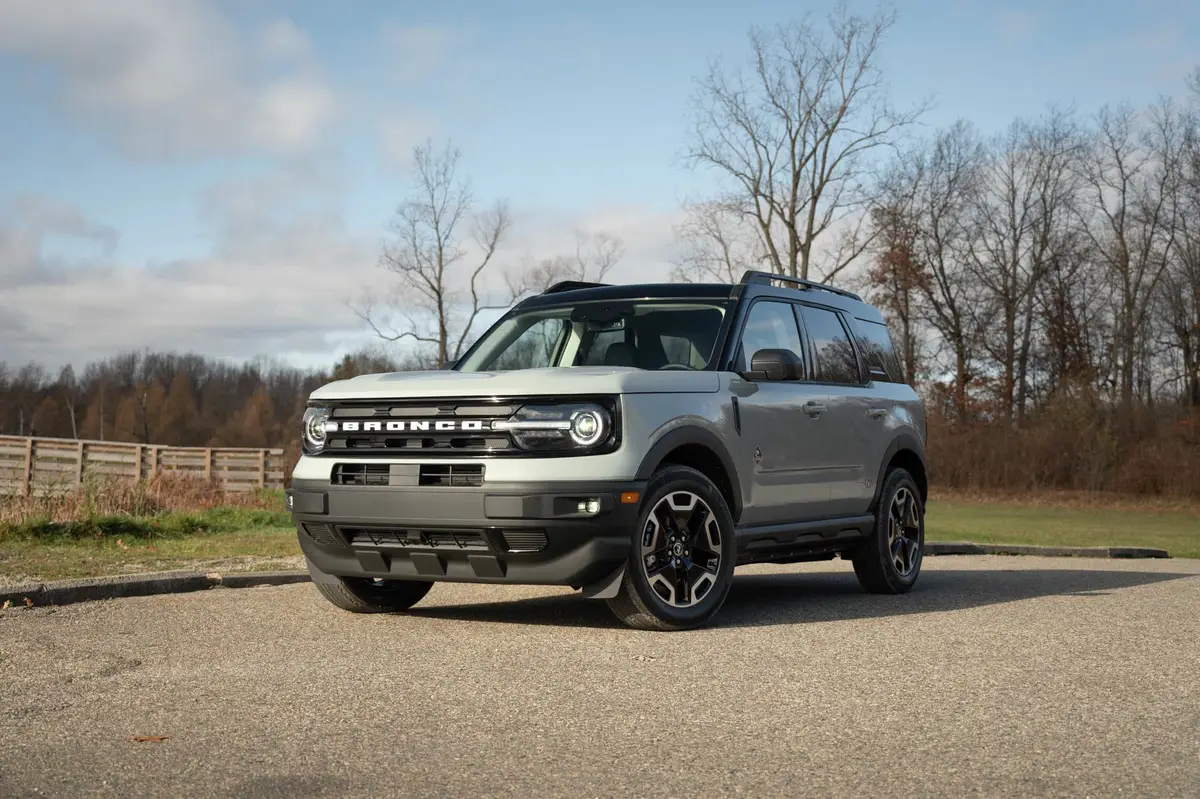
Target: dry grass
<point x="100" y="497"/>
<point x="1073" y="445"/>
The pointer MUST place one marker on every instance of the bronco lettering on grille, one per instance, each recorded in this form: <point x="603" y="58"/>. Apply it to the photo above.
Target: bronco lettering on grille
<point x="413" y="426"/>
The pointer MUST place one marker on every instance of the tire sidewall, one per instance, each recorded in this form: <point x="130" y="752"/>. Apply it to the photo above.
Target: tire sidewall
<point x="668" y="481"/>
<point x="896" y="480"/>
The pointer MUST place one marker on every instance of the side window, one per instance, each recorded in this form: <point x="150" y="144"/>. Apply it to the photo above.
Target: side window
<point x="832" y="347"/>
<point x="878" y="352"/>
<point x="770" y="326"/>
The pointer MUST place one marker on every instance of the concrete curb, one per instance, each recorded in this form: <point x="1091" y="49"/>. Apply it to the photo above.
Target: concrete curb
<point x="66" y="592"/>
<point x="967" y="548"/>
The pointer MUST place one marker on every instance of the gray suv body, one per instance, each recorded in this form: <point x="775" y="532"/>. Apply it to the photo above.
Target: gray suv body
<point x="636" y="442"/>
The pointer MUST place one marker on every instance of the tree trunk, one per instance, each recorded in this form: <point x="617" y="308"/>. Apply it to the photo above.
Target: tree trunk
<point x="1023" y="360"/>
<point x="960" y="381"/>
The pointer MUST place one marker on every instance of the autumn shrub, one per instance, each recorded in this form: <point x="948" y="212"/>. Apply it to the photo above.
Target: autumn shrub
<point x="165" y="504"/>
<point x="1075" y="443"/>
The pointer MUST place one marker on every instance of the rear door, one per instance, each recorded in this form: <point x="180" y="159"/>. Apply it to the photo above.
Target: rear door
<point x="782" y="447"/>
<point x="839" y="387"/>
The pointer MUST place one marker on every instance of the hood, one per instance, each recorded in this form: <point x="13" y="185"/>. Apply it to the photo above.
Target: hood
<point x="560" y="381"/>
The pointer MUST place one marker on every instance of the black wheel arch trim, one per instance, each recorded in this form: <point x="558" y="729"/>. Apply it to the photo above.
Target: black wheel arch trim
<point x="693" y="435"/>
<point x="903" y="441"/>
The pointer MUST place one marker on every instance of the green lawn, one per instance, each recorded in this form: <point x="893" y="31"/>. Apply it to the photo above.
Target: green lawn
<point x="1176" y="530"/>
<point x="27" y="559"/>
<point x="238" y="539"/>
<point x="221" y="539"/>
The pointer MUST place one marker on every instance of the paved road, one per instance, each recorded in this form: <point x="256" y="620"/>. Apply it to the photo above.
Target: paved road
<point x="998" y="676"/>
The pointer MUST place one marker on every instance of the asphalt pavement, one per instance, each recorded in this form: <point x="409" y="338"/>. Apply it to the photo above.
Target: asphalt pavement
<point x="997" y="676"/>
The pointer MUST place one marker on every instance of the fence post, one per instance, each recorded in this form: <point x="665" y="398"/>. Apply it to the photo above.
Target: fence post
<point x="82" y="455"/>
<point x="137" y="473"/>
<point x="208" y="464"/>
<point x="153" y="463"/>
<point x="262" y="468"/>
<point x="27" y="477"/>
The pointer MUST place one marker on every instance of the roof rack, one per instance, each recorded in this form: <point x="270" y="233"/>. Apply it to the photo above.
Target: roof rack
<point x="572" y="285"/>
<point x="764" y="279"/>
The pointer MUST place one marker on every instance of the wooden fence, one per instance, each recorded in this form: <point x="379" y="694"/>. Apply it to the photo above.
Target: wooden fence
<point x="57" y="465"/>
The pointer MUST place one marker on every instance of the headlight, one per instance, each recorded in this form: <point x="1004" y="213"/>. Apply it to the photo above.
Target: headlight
<point x="582" y="426"/>
<point x="313" y="433"/>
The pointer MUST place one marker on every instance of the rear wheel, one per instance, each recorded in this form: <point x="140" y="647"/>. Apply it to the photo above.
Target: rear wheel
<point x="681" y="560"/>
<point x="890" y="560"/>
<point x="368" y="595"/>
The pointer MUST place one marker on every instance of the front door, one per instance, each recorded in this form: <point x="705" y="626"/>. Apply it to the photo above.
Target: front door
<point x="784" y="437"/>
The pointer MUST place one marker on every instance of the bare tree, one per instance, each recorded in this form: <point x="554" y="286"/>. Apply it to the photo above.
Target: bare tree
<point x="943" y="183"/>
<point x="1131" y="176"/>
<point x="68" y="388"/>
<point x="796" y="137"/>
<point x="718" y="244"/>
<point x="1181" y="280"/>
<point x="1026" y="191"/>
<point x="595" y="256"/>
<point x="439" y="293"/>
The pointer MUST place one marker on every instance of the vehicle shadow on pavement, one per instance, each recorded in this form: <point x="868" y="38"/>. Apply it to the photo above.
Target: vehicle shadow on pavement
<point x="758" y="600"/>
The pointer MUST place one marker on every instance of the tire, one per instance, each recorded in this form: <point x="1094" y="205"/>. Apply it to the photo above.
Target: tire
<point x="683" y="516"/>
<point x="889" y="562"/>
<point x="365" y="595"/>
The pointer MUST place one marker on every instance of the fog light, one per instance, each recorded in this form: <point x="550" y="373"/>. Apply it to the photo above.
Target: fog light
<point x="588" y="506"/>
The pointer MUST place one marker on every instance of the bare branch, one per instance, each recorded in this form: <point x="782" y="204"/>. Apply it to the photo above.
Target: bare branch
<point x="796" y="139"/>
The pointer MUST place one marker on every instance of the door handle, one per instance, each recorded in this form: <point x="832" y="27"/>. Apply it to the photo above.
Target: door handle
<point x="814" y="409"/>
<point x="877" y="413"/>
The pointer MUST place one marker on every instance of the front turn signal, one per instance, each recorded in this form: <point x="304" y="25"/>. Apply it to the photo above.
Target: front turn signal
<point x="630" y="497"/>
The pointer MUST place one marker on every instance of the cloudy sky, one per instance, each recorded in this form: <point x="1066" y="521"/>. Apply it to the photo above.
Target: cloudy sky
<point x="215" y="175"/>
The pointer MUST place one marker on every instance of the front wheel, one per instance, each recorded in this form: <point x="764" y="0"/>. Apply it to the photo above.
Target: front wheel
<point x="367" y="595"/>
<point x="890" y="560"/>
<point x="681" y="560"/>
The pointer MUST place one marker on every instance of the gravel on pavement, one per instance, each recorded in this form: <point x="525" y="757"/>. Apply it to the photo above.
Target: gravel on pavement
<point x="996" y="676"/>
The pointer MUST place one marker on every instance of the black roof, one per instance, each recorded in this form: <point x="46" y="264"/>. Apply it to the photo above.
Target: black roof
<point x="752" y="284"/>
<point x="635" y="291"/>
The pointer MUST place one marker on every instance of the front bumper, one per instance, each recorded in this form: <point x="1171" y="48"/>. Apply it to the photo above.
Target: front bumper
<point x="520" y="533"/>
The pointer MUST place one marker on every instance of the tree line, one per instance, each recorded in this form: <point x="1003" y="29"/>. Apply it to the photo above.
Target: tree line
<point x="171" y="399"/>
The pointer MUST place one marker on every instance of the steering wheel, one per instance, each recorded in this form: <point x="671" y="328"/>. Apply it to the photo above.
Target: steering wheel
<point x="675" y="367"/>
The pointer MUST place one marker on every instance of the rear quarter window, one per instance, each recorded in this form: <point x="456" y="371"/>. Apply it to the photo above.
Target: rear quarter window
<point x="878" y="351"/>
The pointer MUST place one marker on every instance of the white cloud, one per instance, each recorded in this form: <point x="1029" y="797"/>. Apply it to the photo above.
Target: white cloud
<point x="282" y="40"/>
<point x="415" y="51"/>
<point x="175" y="76"/>
<point x="276" y="283"/>
<point x="400" y="134"/>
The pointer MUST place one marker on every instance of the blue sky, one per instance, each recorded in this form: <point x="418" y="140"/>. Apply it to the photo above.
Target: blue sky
<point x="216" y="176"/>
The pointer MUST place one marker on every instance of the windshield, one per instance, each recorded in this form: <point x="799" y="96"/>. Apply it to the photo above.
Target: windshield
<point x="646" y="335"/>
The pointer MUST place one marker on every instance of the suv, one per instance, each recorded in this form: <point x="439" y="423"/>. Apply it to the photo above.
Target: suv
<point x="636" y="442"/>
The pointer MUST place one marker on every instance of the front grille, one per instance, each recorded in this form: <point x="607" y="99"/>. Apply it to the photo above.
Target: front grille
<point x="373" y="537"/>
<point x="431" y="441"/>
<point x="451" y="474"/>
<point x="323" y="534"/>
<point x="525" y="540"/>
<point x="362" y="474"/>
<point x="457" y="475"/>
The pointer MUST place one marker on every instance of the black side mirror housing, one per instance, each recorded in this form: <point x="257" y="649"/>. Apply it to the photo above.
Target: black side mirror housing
<point x="774" y="365"/>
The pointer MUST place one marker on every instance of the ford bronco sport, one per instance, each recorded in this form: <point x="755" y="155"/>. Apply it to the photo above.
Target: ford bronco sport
<point x="636" y="442"/>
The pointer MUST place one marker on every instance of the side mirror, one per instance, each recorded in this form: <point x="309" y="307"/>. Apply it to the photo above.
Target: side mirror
<point x="450" y="364"/>
<point x="774" y="365"/>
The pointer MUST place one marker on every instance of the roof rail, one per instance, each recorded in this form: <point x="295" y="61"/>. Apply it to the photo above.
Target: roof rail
<point x="764" y="279"/>
<point x="571" y="285"/>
